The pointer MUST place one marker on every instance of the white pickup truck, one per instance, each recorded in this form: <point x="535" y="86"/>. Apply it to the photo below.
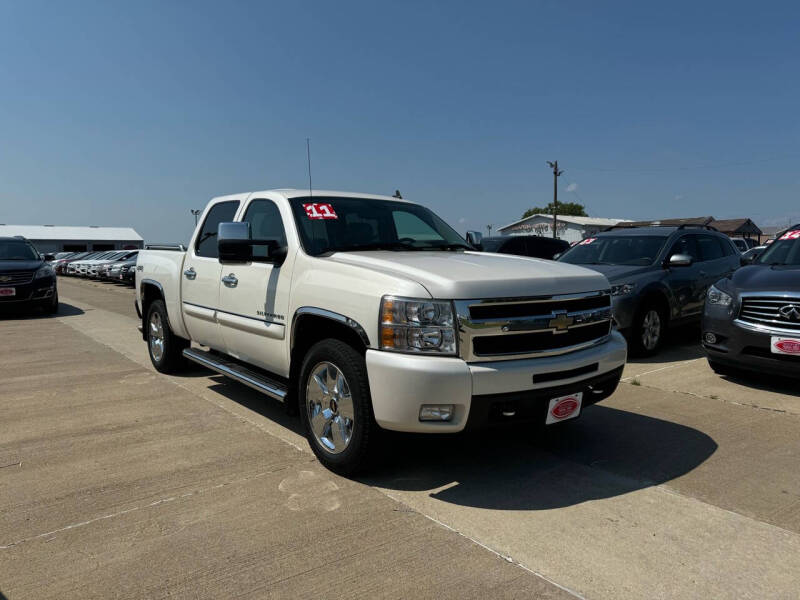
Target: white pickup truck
<point x="370" y="312"/>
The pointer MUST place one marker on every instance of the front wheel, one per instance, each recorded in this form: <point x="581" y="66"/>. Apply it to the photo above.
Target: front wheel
<point x="336" y="407"/>
<point x="165" y="348"/>
<point x="648" y="330"/>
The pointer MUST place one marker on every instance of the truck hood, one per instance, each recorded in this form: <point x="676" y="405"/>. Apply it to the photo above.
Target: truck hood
<point x="474" y="275"/>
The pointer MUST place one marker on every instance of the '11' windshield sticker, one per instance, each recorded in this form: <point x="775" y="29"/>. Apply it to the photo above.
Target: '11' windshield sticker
<point x="317" y="210"/>
<point x="791" y="235"/>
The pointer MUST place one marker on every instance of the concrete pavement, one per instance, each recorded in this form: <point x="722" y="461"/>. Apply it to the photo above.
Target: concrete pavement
<point x="683" y="484"/>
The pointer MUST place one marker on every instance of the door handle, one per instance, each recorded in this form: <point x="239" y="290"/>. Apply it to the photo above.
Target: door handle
<point x="230" y="280"/>
<point x="190" y="273"/>
<point x="702" y="273"/>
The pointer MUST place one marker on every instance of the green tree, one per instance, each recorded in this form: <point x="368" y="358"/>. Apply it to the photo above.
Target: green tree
<point x="571" y="209"/>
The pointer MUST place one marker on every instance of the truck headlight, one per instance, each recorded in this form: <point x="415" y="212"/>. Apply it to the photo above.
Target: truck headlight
<point x="44" y="271"/>
<point x="717" y="296"/>
<point x="622" y="289"/>
<point x="417" y="326"/>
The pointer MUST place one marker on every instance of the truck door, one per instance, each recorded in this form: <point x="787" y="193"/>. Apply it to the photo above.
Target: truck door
<point x="254" y="297"/>
<point x="200" y="279"/>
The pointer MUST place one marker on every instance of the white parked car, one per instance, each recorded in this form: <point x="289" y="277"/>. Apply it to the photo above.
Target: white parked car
<point x="371" y="313"/>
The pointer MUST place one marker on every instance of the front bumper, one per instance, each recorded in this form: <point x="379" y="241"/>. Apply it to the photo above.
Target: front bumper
<point x="743" y="346"/>
<point x="36" y="291"/>
<point x="400" y="384"/>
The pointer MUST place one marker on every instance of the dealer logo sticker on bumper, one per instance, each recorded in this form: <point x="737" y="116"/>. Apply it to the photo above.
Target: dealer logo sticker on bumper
<point x="782" y="345"/>
<point x="564" y="407"/>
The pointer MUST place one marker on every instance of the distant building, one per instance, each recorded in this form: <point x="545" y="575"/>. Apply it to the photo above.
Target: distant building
<point x="51" y="238"/>
<point x="739" y="228"/>
<point x="570" y="229"/>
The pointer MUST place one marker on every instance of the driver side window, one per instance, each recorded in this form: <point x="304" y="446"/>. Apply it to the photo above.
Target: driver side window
<point x="265" y="224"/>
<point x="685" y="245"/>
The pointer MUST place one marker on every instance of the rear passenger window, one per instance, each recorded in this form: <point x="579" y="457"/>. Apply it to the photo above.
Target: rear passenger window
<point x="710" y="247"/>
<point x="728" y="249"/>
<point x="206" y="244"/>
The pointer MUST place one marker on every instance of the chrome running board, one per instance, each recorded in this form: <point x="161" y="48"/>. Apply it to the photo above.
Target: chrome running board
<point x="237" y="371"/>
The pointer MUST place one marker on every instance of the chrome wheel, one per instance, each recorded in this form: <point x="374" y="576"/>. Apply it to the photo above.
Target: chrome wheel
<point x="651" y="329"/>
<point x="156" y="337"/>
<point x="329" y="406"/>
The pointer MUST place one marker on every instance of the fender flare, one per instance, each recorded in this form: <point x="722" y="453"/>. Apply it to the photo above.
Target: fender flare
<point x="333" y="316"/>
<point x="160" y="287"/>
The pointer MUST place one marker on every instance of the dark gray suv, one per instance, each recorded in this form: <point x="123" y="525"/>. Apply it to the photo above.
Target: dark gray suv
<point x="658" y="275"/>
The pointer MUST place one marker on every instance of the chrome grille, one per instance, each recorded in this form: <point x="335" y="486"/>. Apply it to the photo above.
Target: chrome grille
<point x="507" y="329"/>
<point x="772" y="312"/>
<point x="16" y="277"/>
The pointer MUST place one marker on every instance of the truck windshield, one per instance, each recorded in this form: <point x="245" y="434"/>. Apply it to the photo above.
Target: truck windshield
<point x="633" y="250"/>
<point x="785" y="251"/>
<point x="14" y="250"/>
<point x="336" y="224"/>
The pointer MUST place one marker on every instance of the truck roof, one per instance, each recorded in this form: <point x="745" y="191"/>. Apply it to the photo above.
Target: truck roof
<point x="295" y="193"/>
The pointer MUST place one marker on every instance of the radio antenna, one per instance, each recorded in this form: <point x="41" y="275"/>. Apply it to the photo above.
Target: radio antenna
<point x="308" y="156"/>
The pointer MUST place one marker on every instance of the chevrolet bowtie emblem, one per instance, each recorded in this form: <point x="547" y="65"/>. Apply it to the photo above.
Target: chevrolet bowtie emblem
<point x="4" y="278"/>
<point x="560" y="322"/>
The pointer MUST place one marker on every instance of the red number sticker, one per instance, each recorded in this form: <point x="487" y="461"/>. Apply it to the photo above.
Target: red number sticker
<point x="318" y="210"/>
<point x="791" y="235"/>
<point x="587" y="241"/>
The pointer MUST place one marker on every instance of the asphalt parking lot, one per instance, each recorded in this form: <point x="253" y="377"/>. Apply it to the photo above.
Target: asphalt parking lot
<point x="117" y="481"/>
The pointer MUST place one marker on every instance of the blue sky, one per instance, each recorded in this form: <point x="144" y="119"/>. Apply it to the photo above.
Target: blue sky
<point x="132" y="113"/>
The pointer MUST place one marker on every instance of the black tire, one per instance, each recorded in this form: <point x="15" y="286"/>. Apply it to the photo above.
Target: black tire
<point x="164" y="347"/>
<point x="641" y="335"/>
<point x="364" y="432"/>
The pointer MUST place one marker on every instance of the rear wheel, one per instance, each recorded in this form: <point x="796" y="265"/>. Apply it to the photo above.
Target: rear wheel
<point x="165" y="348"/>
<point x="336" y="407"/>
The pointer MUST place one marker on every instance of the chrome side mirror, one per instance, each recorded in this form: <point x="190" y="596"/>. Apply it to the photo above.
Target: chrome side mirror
<point x="680" y="260"/>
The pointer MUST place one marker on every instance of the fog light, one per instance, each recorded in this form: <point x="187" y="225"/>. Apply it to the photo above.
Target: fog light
<point x="436" y="412"/>
<point x="710" y="338"/>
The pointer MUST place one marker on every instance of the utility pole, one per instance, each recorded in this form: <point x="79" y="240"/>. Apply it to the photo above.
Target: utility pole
<point x="556" y="175"/>
<point x="489" y="229"/>
<point x="196" y="212"/>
